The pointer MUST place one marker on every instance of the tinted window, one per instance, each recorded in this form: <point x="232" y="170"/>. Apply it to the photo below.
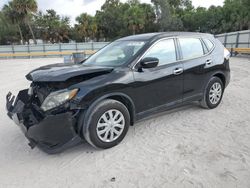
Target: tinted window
<point x="164" y="51"/>
<point x="191" y="48"/>
<point x="209" y="44"/>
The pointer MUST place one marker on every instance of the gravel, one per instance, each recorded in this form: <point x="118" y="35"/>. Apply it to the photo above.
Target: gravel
<point x="187" y="147"/>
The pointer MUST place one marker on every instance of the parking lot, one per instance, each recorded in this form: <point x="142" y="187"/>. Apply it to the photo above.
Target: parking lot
<point x="188" y="147"/>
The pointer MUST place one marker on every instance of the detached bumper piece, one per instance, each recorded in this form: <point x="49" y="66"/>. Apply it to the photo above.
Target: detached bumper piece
<point x="51" y="133"/>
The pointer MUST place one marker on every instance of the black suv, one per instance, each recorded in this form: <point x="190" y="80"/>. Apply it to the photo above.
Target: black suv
<point x="127" y="80"/>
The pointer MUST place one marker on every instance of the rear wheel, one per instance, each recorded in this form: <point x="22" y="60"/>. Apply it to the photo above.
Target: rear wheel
<point x="213" y="93"/>
<point x="107" y="125"/>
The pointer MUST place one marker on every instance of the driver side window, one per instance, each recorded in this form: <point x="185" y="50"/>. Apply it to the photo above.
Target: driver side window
<point x="164" y="51"/>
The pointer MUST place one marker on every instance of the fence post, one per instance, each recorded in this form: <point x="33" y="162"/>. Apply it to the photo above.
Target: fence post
<point x="29" y="51"/>
<point x="92" y="46"/>
<point x="60" y="49"/>
<point x="44" y="49"/>
<point x="237" y="40"/>
<point x="13" y="50"/>
<point x="231" y="51"/>
<point x="249" y="41"/>
<point x="225" y="40"/>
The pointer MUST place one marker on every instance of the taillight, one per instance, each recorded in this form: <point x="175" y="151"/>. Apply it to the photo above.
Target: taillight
<point x="226" y="54"/>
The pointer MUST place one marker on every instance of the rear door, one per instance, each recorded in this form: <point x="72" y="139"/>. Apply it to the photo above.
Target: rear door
<point x="195" y="64"/>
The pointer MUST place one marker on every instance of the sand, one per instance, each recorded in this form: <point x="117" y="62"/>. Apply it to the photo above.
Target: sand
<point x="190" y="147"/>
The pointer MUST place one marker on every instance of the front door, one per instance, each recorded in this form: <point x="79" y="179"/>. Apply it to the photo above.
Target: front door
<point x="163" y="85"/>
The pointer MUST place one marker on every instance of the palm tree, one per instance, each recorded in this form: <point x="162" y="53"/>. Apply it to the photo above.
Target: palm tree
<point x="134" y="18"/>
<point x="10" y="12"/>
<point x="25" y="8"/>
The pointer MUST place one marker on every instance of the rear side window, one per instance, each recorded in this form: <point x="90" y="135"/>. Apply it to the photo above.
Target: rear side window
<point x="209" y="44"/>
<point x="191" y="48"/>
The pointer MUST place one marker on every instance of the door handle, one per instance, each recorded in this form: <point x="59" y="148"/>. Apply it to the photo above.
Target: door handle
<point x="209" y="62"/>
<point x="178" y="71"/>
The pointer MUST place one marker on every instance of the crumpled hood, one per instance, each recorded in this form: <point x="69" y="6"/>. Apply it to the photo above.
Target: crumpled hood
<point x="62" y="72"/>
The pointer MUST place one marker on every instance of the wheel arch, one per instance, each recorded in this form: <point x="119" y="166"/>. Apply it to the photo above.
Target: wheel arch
<point x="127" y="101"/>
<point x="217" y="74"/>
<point x="221" y="76"/>
<point x="121" y="97"/>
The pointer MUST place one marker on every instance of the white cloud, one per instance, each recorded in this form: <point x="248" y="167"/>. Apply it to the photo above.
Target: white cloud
<point x="3" y="2"/>
<point x="74" y="8"/>
<point x="207" y="3"/>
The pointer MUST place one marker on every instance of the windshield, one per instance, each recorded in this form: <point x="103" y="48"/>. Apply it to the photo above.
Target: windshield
<point x="115" y="54"/>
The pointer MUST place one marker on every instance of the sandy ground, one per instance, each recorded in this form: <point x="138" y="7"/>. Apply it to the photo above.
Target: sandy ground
<point x="190" y="147"/>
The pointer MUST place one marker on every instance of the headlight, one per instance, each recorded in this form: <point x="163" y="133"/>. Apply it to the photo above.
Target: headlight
<point x="58" y="98"/>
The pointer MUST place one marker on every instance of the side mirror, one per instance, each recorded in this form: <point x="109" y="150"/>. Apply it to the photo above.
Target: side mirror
<point x="149" y="62"/>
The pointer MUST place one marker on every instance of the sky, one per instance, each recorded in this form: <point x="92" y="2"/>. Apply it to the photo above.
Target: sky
<point x="73" y="8"/>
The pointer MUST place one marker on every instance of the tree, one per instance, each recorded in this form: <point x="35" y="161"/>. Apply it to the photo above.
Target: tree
<point x="134" y="18"/>
<point x="110" y="19"/>
<point x="13" y="17"/>
<point x="214" y="18"/>
<point x="246" y="5"/>
<point x="8" y="31"/>
<point x="117" y="19"/>
<point x="195" y="20"/>
<point x="165" y="17"/>
<point x="236" y="15"/>
<point x="86" y="26"/>
<point x="25" y="8"/>
<point x="51" y="27"/>
<point x="149" y="18"/>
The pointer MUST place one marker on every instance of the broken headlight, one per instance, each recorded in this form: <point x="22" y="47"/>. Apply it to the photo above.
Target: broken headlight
<point x="58" y="98"/>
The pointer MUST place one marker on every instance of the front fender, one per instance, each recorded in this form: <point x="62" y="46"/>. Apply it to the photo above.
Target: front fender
<point x="89" y="105"/>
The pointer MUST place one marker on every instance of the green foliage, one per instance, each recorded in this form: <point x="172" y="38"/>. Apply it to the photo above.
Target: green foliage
<point x="134" y="18"/>
<point x="10" y="16"/>
<point x="86" y="27"/>
<point x="8" y="31"/>
<point x="51" y="27"/>
<point x="116" y="19"/>
<point x="110" y="19"/>
<point x="24" y="10"/>
<point x="236" y="15"/>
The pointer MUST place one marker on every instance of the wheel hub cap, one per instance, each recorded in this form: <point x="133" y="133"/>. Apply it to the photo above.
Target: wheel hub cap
<point x="110" y="125"/>
<point x="215" y="93"/>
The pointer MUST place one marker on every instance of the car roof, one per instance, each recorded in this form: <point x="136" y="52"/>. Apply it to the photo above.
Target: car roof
<point x="152" y="36"/>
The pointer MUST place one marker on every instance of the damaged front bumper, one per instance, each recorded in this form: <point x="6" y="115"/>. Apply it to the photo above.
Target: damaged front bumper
<point x="52" y="133"/>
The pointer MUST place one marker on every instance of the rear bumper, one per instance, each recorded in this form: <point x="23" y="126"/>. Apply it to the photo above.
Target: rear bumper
<point x="52" y="133"/>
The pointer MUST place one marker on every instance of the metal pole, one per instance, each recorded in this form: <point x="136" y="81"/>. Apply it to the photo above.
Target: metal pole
<point x="237" y="40"/>
<point x="29" y="51"/>
<point x="44" y="49"/>
<point x="225" y="40"/>
<point x="249" y="41"/>
<point x="13" y="50"/>
<point x="60" y="49"/>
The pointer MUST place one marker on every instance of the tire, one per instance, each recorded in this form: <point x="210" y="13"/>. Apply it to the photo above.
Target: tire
<point x="212" y="99"/>
<point x="97" y="123"/>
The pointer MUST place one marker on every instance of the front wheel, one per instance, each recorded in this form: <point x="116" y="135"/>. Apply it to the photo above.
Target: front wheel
<point x="213" y="93"/>
<point x="107" y="125"/>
